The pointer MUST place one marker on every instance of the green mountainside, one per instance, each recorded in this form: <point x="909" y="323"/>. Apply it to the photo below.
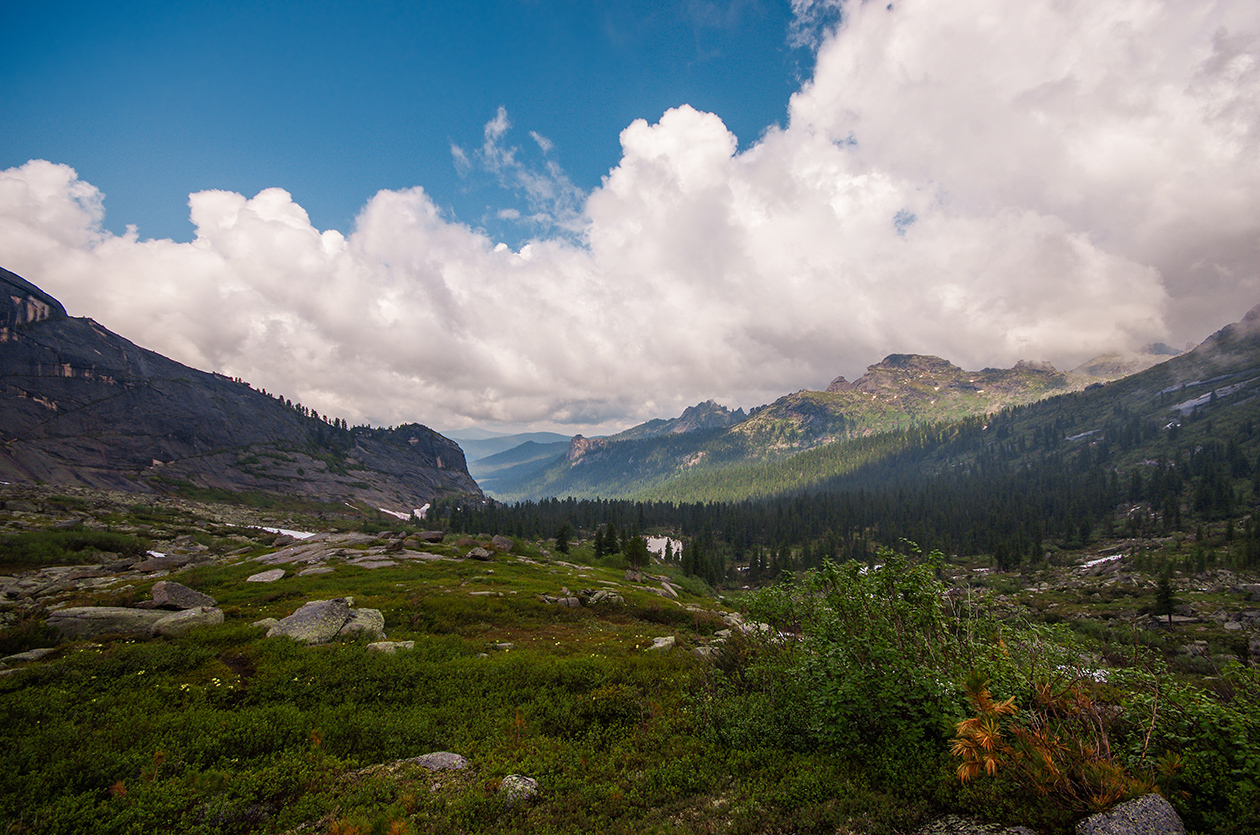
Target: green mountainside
<point x="707" y="441"/>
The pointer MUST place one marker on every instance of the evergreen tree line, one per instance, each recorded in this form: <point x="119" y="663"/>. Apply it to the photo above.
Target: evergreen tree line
<point x="998" y="488"/>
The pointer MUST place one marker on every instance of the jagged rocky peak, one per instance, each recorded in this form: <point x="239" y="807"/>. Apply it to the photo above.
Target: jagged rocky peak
<point x="22" y="303"/>
<point x="840" y="384"/>
<point x="706" y="415"/>
<point x="580" y="447"/>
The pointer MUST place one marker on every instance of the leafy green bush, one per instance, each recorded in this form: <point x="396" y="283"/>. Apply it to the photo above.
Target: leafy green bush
<point x="878" y="657"/>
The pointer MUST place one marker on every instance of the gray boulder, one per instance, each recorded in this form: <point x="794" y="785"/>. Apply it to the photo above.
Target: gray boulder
<point x="390" y="647"/>
<point x="518" y="788"/>
<point x="266" y="576"/>
<point x="480" y="553"/>
<point x="501" y="543"/>
<point x="170" y="595"/>
<point x="90" y="621"/>
<point x="1149" y="814"/>
<point x="317" y="622"/>
<point x="364" y="622"/>
<point x="174" y="625"/>
<point x="440" y="761"/>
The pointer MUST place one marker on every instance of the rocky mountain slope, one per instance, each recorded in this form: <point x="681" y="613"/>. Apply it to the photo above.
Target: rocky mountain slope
<point x="900" y="391"/>
<point x="81" y="405"/>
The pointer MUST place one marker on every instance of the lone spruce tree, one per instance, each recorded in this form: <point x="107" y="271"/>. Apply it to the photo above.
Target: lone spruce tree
<point x="1164" y="599"/>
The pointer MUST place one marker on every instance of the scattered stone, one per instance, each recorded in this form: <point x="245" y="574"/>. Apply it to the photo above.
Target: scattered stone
<point x="317" y="569"/>
<point x="634" y="575"/>
<point x="171" y="595"/>
<point x="480" y="553"/>
<point x="518" y="788"/>
<point x="440" y="761"/>
<point x="266" y="576"/>
<point x="90" y="621"/>
<point x="706" y="652"/>
<point x="666" y="642"/>
<point x="431" y="536"/>
<point x="265" y="623"/>
<point x="502" y="543"/>
<point x="504" y="646"/>
<point x="597" y="597"/>
<point x="1149" y="814"/>
<point x="390" y="647"/>
<point x="670" y="591"/>
<point x="372" y="563"/>
<point x="174" y="625"/>
<point x="29" y="655"/>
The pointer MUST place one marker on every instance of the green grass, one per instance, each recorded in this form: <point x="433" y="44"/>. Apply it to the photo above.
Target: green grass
<point x="225" y="730"/>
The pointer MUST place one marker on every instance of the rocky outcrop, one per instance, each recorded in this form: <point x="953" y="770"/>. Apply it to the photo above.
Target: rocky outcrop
<point x="171" y="595"/>
<point x="80" y="622"/>
<point x="22" y="303"/>
<point x="322" y="621"/>
<point x="80" y="405"/>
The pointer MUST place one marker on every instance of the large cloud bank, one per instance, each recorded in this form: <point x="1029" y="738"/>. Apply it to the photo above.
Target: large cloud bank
<point x="982" y="180"/>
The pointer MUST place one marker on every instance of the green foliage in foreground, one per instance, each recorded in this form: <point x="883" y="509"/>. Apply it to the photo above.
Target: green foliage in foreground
<point x="838" y="717"/>
<point x="877" y="673"/>
<point x="60" y="547"/>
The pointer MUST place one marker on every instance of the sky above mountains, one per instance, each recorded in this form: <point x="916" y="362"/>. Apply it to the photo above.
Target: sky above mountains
<point x="578" y="216"/>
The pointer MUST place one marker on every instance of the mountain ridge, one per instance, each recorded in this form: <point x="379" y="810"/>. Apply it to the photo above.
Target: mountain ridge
<point x="81" y="405"/>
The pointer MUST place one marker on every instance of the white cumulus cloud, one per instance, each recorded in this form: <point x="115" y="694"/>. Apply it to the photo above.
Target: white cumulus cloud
<point x="981" y="180"/>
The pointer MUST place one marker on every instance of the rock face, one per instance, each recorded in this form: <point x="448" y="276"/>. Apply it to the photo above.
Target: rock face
<point x="80" y="405"/>
<point x="1150" y="814"/>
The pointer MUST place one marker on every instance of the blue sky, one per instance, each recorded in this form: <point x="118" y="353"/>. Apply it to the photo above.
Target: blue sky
<point x="334" y="101"/>
<point x="580" y="216"/>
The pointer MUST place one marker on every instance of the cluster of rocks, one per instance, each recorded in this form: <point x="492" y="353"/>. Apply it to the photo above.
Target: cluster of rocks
<point x="515" y="789"/>
<point x="173" y="610"/>
<point x="45" y="586"/>
<point x="313" y="555"/>
<point x="585" y="597"/>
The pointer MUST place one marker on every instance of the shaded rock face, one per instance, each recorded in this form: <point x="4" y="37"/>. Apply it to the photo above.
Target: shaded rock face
<point x="80" y="405"/>
<point x="22" y="303"/>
